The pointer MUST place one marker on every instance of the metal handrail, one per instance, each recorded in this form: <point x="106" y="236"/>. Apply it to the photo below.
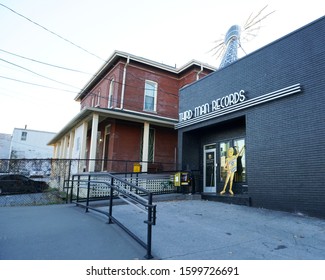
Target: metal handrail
<point x="126" y="195"/>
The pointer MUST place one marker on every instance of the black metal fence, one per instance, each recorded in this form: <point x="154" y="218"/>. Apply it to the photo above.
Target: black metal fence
<point x="57" y="173"/>
<point x="32" y="199"/>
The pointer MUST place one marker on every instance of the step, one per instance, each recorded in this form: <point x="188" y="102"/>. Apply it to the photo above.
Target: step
<point x="239" y="199"/>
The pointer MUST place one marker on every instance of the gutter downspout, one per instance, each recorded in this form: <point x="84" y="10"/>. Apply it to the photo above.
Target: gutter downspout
<point x="198" y="73"/>
<point x="123" y="83"/>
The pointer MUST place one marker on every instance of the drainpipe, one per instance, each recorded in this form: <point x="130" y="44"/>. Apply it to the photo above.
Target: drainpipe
<point x="123" y="82"/>
<point x="198" y="73"/>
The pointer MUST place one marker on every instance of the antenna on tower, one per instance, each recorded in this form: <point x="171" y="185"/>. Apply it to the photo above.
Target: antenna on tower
<point x="227" y="48"/>
<point x="232" y="44"/>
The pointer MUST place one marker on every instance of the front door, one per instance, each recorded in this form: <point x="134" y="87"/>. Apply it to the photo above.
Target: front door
<point x="106" y="148"/>
<point x="209" y="184"/>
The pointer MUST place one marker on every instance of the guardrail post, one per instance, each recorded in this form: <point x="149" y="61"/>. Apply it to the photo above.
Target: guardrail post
<point x="150" y="222"/>
<point x="78" y="189"/>
<point x="137" y="182"/>
<point x="110" y="203"/>
<point x="88" y="192"/>
<point x="72" y="185"/>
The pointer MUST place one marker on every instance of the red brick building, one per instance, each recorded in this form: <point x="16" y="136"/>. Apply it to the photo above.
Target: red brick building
<point x="128" y="112"/>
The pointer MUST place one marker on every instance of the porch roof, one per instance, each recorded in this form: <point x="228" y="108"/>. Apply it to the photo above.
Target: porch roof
<point x="86" y="115"/>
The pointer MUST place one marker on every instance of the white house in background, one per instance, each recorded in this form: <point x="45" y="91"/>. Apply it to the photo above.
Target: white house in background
<point x="5" y="140"/>
<point x="30" y="144"/>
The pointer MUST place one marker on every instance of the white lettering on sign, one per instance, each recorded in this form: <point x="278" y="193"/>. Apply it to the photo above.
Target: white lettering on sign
<point x="201" y="110"/>
<point x="215" y="105"/>
<point x="228" y="100"/>
<point x="185" y="115"/>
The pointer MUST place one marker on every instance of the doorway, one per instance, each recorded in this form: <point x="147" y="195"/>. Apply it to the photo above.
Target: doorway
<point x="210" y="165"/>
<point x="106" y="148"/>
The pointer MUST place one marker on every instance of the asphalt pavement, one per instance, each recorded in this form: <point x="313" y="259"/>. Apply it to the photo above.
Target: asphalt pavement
<point x="186" y="229"/>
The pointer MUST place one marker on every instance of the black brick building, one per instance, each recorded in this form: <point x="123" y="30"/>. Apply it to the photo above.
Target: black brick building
<point x="272" y="102"/>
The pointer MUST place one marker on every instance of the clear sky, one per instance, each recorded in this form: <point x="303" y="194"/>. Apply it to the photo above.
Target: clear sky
<point x="167" y="31"/>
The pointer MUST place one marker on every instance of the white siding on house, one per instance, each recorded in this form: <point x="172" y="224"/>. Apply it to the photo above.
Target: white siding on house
<point x="5" y="140"/>
<point x="27" y="143"/>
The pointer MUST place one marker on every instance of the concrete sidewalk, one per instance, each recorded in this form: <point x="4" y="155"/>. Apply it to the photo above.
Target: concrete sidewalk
<point x="61" y="232"/>
<point x="185" y="229"/>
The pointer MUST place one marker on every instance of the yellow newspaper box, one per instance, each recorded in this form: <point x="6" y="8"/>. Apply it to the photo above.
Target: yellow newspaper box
<point x="136" y="167"/>
<point x="177" y="179"/>
<point x="181" y="179"/>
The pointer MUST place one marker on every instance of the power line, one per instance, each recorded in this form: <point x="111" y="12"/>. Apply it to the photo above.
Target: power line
<point x="52" y="32"/>
<point x="26" y="69"/>
<point x="33" y="84"/>
<point x="45" y="63"/>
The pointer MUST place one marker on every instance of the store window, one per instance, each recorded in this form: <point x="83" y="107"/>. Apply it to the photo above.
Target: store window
<point x="239" y="150"/>
<point x="150" y="96"/>
<point x="223" y="148"/>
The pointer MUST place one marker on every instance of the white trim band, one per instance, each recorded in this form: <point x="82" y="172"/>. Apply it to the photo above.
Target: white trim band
<point x="243" y="105"/>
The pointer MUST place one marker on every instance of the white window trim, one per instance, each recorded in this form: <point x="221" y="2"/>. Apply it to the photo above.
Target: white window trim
<point x="110" y="94"/>
<point x="98" y="99"/>
<point x="23" y="136"/>
<point x="155" y="84"/>
<point x="92" y="101"/>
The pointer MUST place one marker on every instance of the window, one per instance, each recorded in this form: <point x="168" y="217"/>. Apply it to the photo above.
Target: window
<point x="223" y="148"/>
<point x="98" y="99"/>
<point x="150" y="96"/>
<point x="110" y="94"/>
<point x="239" y="150"/>
<point x="23" y="136"/>
<point x="239" y="146"/>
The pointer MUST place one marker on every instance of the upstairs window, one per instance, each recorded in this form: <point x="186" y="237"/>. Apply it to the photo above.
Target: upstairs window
<point x="98" y="99"/>
<point x="110" y="94"/>
<point x="23" y="136"/>
<point x="150" y="96"/>
<point x="93" y="100"/>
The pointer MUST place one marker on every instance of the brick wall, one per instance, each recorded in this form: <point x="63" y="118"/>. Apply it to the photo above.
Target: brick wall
<point x="167" y="92"/>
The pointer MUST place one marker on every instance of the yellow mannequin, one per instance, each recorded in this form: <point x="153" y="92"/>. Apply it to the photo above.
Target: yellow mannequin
<point x="231" y="167"/>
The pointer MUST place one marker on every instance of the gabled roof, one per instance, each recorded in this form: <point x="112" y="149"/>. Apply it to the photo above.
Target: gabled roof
<point x="118" y="55"/>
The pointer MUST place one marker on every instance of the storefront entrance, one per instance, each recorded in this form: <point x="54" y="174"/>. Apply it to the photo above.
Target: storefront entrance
<point x="210" y="166"/>
<point x="214" y="164"/>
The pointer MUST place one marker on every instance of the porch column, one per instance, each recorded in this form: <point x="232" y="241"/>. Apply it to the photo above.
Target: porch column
<point x="93" y="143"/>
<point x="64" y="148"/>
<point x="83" y="143"/>
<point x="71" y="142"/>
<point x="145" y="146"/>
<point x="61" y="149"/>
<point x="55" y="150"/>
<point x="83" y="146"/>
